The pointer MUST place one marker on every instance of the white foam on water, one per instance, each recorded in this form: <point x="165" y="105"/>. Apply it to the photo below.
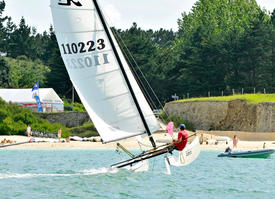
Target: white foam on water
<point x="34" y="175"/>
<point x="100" y="171"/>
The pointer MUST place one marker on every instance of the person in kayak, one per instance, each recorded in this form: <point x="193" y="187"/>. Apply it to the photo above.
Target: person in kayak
<point x="228" y="150"/>
<point x="181" y="142"/>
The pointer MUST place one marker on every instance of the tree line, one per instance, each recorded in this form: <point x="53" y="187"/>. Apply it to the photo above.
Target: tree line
<point x="220" y="45"/>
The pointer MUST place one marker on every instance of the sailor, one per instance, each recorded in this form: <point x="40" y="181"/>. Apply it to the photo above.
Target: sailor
<point x="59" y="133"/>
<point x="228" y="150"/>
<point x="181" y="142"/>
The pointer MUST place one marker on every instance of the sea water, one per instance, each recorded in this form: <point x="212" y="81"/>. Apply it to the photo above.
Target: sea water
<point x="43" y="174"/>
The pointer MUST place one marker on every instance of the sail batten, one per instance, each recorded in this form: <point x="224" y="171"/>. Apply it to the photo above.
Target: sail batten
<point x="99" y="72"/>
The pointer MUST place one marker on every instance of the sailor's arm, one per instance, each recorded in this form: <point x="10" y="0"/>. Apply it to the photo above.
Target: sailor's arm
<point x="177" y="141"/>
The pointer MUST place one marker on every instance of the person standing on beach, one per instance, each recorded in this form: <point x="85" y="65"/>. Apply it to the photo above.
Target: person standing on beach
<point x="59" y="133"/>
<point x="235" y="141"/>
<point x="181" y="142"/>
<point x="29" y="130"/>
<point x="201" y="139"/>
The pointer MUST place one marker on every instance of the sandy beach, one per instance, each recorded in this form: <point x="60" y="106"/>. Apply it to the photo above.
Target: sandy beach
<point x="210" y="143"/>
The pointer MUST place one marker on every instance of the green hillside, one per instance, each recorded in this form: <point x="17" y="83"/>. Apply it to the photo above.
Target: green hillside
<point x="250" y="98"/>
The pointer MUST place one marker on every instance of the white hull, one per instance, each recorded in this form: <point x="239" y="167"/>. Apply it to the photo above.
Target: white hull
<point x="187" y="155"/>
<point x="139" y="167"/>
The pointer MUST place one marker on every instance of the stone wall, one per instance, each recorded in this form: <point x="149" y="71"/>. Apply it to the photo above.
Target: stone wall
<point x="235" y="115"/>
<point x="68" y="119"/>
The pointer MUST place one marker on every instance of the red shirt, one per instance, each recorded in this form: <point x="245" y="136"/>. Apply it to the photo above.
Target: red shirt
<point x="184" y="136"/>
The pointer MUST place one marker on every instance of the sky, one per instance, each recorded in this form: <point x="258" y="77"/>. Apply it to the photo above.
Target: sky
<point x="148" y="14"/>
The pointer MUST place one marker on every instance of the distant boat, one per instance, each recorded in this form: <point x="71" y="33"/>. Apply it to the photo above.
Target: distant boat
<point x="260" y="153"/>
<point x="104" y="81"/>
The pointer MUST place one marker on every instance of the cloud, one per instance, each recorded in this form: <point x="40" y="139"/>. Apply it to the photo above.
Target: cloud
<point x="267" y="4"/>
<point x="112" y="15"/>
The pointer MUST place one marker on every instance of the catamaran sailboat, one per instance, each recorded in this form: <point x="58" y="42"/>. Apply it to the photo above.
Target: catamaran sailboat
<point x="104" y="81"/>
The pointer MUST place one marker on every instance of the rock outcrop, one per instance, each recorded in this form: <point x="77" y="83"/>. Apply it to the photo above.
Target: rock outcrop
<point x="235" y="115"/>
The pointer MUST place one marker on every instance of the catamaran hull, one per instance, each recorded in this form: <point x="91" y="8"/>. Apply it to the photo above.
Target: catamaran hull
<point x="262" y="153"/>
<point x="139" y="167"/>
<point x="187" y="155"/>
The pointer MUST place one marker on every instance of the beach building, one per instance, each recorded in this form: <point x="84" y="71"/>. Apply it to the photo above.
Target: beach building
<point x="49" y="99"/>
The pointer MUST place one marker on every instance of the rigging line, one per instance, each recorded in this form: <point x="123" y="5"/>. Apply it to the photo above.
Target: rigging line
<point x="70" y="89"/>
<point x="146" y="145"/>
<point x="152" y="90"/>
<point x="139" y="69"/>
<point x="140" y="83"/>
<point x="150" y="100"/>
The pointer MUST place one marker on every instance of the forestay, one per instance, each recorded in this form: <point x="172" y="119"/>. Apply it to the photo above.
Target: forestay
<point x="96" y="74"/>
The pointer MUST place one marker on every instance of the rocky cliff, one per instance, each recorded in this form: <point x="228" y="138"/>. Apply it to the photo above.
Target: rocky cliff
<point x="234" y="115"/>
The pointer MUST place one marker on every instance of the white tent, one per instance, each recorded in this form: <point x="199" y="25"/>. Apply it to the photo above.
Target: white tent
<point x="50" y="101"/>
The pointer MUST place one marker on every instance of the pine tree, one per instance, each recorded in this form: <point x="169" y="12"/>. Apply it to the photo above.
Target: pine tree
<point x="20" y="42"/>
<point x="256" y="53"/>
<point x="3" y="31"/>
<point x="4" y="74"/>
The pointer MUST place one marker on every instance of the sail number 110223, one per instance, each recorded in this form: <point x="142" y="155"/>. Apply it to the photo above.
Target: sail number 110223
<point x="82" y="47"/>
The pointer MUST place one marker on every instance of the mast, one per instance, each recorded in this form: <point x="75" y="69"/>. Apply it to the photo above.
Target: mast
<point x="124" y="73"/>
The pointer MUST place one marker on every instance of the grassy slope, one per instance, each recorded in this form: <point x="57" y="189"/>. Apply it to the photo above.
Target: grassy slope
<point x="250" y="98"/>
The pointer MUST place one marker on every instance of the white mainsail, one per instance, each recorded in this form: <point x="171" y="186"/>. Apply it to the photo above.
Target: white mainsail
<point x="96" y="74"/>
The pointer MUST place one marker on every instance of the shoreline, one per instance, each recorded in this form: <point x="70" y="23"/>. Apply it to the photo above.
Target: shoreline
<point x="130" y="143"/>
